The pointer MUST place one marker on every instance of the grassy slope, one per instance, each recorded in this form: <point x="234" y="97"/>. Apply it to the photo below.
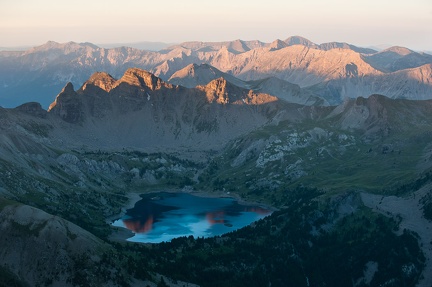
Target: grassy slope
<point x="335" y="160"/>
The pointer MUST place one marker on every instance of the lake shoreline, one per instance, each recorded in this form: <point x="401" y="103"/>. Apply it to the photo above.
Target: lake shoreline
<point x="133" y="197"/>
<point x="120" y="234"/>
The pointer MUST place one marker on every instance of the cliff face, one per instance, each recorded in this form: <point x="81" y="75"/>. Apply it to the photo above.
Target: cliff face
<point x="67" y="105"/>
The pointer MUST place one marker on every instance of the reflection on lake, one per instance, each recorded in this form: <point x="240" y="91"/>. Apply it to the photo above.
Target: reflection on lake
<point x="164" y="216"/>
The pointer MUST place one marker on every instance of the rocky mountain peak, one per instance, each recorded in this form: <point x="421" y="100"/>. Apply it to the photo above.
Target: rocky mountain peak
<point x="191" y="69"/>
<point x="200" y="75"/>
<point x="68" y="89"/>
<point x="218" y="85"/>
<point x="64" y="48"/>
<point x="222" y="91"/>
<point x="67" y="105"/>
<point x="47" y="46"/>
<point x="238" y="46"/>
<point x="342" y="45"/>
<point x="277" y="45"/>
<point x="399" y="50"/>
<point x="101" y="80"/>
<point x="297" y="40"/>
<point x="141" y="78"/>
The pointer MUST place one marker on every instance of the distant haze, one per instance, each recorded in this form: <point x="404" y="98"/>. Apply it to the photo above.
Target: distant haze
<point x="363" y="23"/>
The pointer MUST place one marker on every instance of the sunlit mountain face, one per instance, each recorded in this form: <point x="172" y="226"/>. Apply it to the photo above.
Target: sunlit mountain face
<point x="295" y="69"/>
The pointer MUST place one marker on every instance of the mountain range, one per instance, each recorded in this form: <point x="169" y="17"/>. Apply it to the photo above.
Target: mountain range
<point x="299" y="70"/>
<point x="328" y="135"/>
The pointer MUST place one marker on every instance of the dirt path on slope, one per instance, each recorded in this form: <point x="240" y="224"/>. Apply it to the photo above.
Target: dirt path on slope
<point x="410" y="210"/>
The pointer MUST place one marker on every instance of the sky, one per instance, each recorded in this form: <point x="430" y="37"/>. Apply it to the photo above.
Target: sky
<point x="364" y="23"/>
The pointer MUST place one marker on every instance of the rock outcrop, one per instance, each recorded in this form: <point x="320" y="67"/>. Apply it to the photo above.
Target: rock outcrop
<point x="101" y="80"/>
<point x="68" y="105"/>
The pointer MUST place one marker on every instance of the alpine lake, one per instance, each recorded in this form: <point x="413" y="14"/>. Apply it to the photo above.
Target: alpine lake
<point x="160" y="217"/>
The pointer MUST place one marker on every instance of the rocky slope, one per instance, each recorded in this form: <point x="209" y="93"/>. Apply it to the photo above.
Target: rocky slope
<point x="411" y="219"/>
<point x="414" y="84"/>
<point x="48" y="250"/>
<point x="397" y="58"/>
<point x="296" y="64"/>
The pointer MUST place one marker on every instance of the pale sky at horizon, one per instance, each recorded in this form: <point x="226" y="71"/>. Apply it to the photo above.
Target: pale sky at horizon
<point x="363" y="23"/>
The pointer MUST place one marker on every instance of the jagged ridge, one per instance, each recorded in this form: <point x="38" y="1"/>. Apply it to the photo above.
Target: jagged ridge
<point x="296" y="60"/>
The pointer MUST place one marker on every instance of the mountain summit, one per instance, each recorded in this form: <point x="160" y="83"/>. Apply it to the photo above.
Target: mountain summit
<point x="100" y="80"/>
<point x="143" y="79"/>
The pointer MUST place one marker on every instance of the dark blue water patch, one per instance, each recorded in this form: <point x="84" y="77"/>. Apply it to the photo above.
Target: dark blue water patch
<point x="164" y="216"/>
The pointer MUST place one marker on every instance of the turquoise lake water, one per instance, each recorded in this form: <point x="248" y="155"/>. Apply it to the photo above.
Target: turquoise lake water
<point x="164" y="216"/>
